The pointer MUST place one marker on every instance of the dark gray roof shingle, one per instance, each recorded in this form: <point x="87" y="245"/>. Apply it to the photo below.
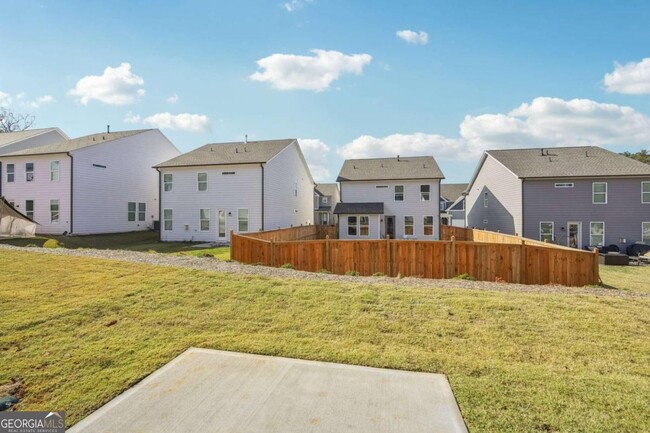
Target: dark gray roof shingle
<point x="583" y="161"/>
<point x="252" y="152"/>
<point x="413" y="167"/>
<point x="76" y="143"/>
<point x="359" y="208"/>
<point x="452" y="191"/>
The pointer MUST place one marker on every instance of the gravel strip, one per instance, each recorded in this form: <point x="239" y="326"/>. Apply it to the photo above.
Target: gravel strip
<point x="211" y="264"/>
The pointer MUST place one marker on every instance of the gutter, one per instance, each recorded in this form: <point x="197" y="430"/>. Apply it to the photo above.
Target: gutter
<point x="262" y="167"/>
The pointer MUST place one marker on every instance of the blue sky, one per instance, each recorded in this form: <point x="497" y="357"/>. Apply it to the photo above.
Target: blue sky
<point x="487" y="75"/>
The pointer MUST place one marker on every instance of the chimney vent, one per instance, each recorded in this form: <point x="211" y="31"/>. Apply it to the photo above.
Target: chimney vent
<point x="542" y="151"/>
<point x="108" y="129"/>
<point x="245" y="138"/>
<point x="398" y="157"/>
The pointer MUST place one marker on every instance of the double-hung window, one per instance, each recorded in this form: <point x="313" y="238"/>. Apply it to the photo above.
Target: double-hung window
<point x="131" y="210"/>
<point x="11" y="173"/>
<point x="425" y="192"/>
<point x="54" y="211"/>
<point x="599" y="193"/>
<point x="168" y="180"/>
<point x="546" y="231"/>
<point x="428" y="225"/>
<point x="29" y="172"/>
<point x="596" y="233"/>
<point x="54" y="171"/>
<point x="168" y="219"/>
<point x="399" y="192"/>
<point x="142" y="211"/>
<point x="364" y="225"/>
<point x="29" y="208"/>
<point x="645" y="233"/>
<point x="203" y="181"/>
<point x="485" y="199"/>
<point x="204" y="216"/>
<point x="645" y="191"/>
<point x="408" y="226"/>
<point x="242" y="220"/>
<point x="352" y="225"/>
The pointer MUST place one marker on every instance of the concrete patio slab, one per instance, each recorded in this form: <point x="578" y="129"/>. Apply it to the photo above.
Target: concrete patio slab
<point x="207" y="391"/>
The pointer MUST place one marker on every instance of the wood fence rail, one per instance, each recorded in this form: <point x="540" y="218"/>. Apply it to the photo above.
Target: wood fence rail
<point x="486" y="261"/>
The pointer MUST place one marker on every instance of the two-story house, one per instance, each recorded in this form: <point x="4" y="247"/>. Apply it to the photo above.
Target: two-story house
<point x="242" y="187"/>
<point x="100" y="183"/>
<point x="396" y="197"/>
<point x="575" y="196"/>
<point x="452" y="204"/>
<point x="326" y="197"/>
<point x="20" y="140"/>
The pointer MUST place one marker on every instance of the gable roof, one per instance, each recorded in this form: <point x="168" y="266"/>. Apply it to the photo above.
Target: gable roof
<point x="251" y="152"/>
<point x="554" y="162"/>
<point x="359" y="208"/>
<point x="330" y="189"/>
<point x="65" y="146"/>
<point x="12" y="137"/>
<point x="414" y="167"/>
<point x="452" y="191"/>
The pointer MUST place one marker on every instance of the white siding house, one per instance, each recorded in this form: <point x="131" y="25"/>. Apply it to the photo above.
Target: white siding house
<point x="241" y="187"/>
<point x="101" y="183"/>
<point x="396" y="197"/>
<point x="21" y="140"/>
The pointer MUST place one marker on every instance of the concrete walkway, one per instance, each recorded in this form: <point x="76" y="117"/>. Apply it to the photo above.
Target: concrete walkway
<point x="206" y="391"/>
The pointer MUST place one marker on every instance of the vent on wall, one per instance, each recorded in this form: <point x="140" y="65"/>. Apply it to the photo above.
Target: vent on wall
<point x="227" y="173"/>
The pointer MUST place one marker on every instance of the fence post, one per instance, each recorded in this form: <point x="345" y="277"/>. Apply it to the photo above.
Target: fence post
<point x="388" y="267"/>
<point x="523" y="273"/>
<point x="454" y="271"/>
<point x="272" y="253"/>
<point x="233" y="248"/>
<point x="596" y="275"/>
<point x="328" y="258"/>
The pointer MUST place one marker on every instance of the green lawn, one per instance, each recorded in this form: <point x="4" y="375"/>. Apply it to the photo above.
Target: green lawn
<point x="78" y="331"/>
<point x="134" y="241"/>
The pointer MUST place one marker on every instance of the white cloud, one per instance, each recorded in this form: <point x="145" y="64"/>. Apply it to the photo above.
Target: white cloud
<point x="294" y="5"/>
<point x="5" y="99"/>
<point x="316" y="153"/>
<point x="182" y="122"/>
<point x="418" y="38"/>
<point x="632" y="78"/>
<point x="543" y="122"/>
<point x="116" y="86"/>
<point x="41" y="100"/>
<point x="316" y="73"/>
<point x="132" y="118"/>
<point x="173" y="99"/>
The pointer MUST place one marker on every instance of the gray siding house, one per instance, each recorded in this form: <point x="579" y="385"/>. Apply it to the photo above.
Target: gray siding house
<point x="326" y="197"/>
<point x="452" y="204"/>
<point x="575" y="196"/>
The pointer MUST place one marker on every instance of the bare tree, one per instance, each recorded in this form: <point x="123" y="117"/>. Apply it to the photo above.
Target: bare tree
<point x="12" y="122"/>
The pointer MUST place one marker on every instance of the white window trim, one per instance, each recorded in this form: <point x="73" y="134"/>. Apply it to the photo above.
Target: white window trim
<point x="164" y="227"/>
<point x="58" y="171"/>
<point x="135" y="211"/>
<point x="359" y="225"/>
<point x="433" y="228"/>
<point x="248" y="219"/>
<point x="33" y="172"/>
<point x="13" y="173"/>
<point x="356" y="225"/>
<point x="429" y="192"/>
<point x="58" y="204"/>
<point x="644" y="222"/>
<point x="642" y="184"/>
<point x="33" y="211"/>
<point x="485" y="199"/>
<point x="593" y="192"/>
<point x="198" y="182"/>
<point x="395" y="193"/>
<point x="171" y="182"/>
<point x="552" y="223"/>
<point x="204" y="219"/>
<point x="138" y="212"/>
<point x="412" y="225"/>
<point x="596" y="222"/>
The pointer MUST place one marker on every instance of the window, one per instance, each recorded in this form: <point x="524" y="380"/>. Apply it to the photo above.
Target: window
<point x="408" y="226"/>
<point x="564" y="185"/>
<point x="168" y="182"/>
<point x="399" y="192"/>
<point x="645" y="191"/>
<point x="352" y="226"/>
<point x="54" y="171"/>
<point x="596" y="233"/>
<point x="425" y="192"/>
<point x="29" y="208"/>
<point x="546" y="231"/>
<point x="364" y="225"/>
<point x="324" y="200"/>
<point x="295" y="189"/>
<point x="599" y="191"/>
<point x="242" y="220"/>
<point x="204" y="216"/>
<point x="428" y="226"/>
<point x="54" y="211"/>
<point x="168" y="219"/>
<point x="142" y="211"/>
<point x="485" y="199"/>
<point x="203" y="181"/>
<point x="131" y="211"/>
<point x="645" y="233"/>
<point x="11" y="172"/>
<point x="29" y="171"/>
<point x="443" y="204"/>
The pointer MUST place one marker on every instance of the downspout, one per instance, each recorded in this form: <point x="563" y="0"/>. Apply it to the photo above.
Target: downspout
<point x="160" y="215"/>
<point x="262" y="167"/>
<point x="523" y="208"/>
<point x="0" y="179"/>
<point x="71" y="192"/>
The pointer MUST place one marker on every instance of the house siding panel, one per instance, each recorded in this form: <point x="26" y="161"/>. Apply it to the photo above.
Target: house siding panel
<point x="374" y="228"/>
<point x="48" y="137"/>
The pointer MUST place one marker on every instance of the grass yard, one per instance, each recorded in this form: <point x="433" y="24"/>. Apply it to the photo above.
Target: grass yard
<point x="134" y="241"/>
<point x="78" y="331"/>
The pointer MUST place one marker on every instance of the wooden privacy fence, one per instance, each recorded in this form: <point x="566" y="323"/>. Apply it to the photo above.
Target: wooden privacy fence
<point x="485" y="261"/>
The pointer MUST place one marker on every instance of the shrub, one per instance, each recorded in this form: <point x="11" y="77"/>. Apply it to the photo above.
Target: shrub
<point x="352" y="273"/>
<point x="53" y="243"/>
<point x="465" y="276"/>
<point x="324" y="271"/>
<point x="288" y="266"/>
<point x="378" y="274"/>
